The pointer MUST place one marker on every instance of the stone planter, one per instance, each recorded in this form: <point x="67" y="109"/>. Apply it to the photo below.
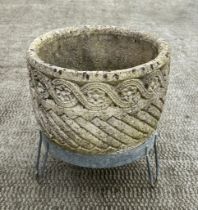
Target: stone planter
<point x="98" y="90"/>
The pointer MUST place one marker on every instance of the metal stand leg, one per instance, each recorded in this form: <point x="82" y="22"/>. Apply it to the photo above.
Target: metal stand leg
<point x="40" y="168"/>
<point x="153" y="179"/>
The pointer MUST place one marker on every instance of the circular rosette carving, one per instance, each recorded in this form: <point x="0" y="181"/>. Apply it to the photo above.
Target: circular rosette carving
<point x="155" y="81"/>
<point x="39" y="84"/>
<point x="62" y="92"/>
<point x="41" y="89"/>
<point x="130" y="94"/>
<point x="96" y="96"/>
<point x="155" y="84"/>
<point x="131" y="91"/>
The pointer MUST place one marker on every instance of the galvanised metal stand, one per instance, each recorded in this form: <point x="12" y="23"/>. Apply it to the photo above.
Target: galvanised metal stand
<point x="100" y="161"/>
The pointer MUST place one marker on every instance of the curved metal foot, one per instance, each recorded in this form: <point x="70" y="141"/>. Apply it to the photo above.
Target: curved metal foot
<point x="153" y="179"/>
<point x="40" y="168"/>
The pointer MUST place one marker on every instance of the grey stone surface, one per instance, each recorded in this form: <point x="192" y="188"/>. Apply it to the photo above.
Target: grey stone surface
<point x="69" y="187"/>
<point x="98" y="89"/>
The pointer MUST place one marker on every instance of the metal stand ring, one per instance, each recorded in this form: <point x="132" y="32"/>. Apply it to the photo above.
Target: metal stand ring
<point x="106" y="161"/>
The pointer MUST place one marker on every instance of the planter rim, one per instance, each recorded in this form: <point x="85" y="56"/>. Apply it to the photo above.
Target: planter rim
<point x="99" y="75"/>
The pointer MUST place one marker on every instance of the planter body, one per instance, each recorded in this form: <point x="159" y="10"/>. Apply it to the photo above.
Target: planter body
<point x="82" y="102"/>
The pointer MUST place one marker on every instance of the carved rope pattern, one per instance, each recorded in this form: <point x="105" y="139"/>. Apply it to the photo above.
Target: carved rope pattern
<point x="97" y="96"/>
<point x="98" y="135"/>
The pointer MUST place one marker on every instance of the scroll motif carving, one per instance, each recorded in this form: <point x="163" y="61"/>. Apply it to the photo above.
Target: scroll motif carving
<point x="97" y="95"/>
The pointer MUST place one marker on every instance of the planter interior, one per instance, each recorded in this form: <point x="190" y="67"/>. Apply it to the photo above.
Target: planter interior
<point x="96" y="51"/>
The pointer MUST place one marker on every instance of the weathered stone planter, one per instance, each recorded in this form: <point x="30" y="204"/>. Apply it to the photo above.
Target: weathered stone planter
<point x="98" y="90"/>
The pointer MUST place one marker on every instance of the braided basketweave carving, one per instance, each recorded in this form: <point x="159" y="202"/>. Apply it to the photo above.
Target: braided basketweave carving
<point x="98" y="112"/>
